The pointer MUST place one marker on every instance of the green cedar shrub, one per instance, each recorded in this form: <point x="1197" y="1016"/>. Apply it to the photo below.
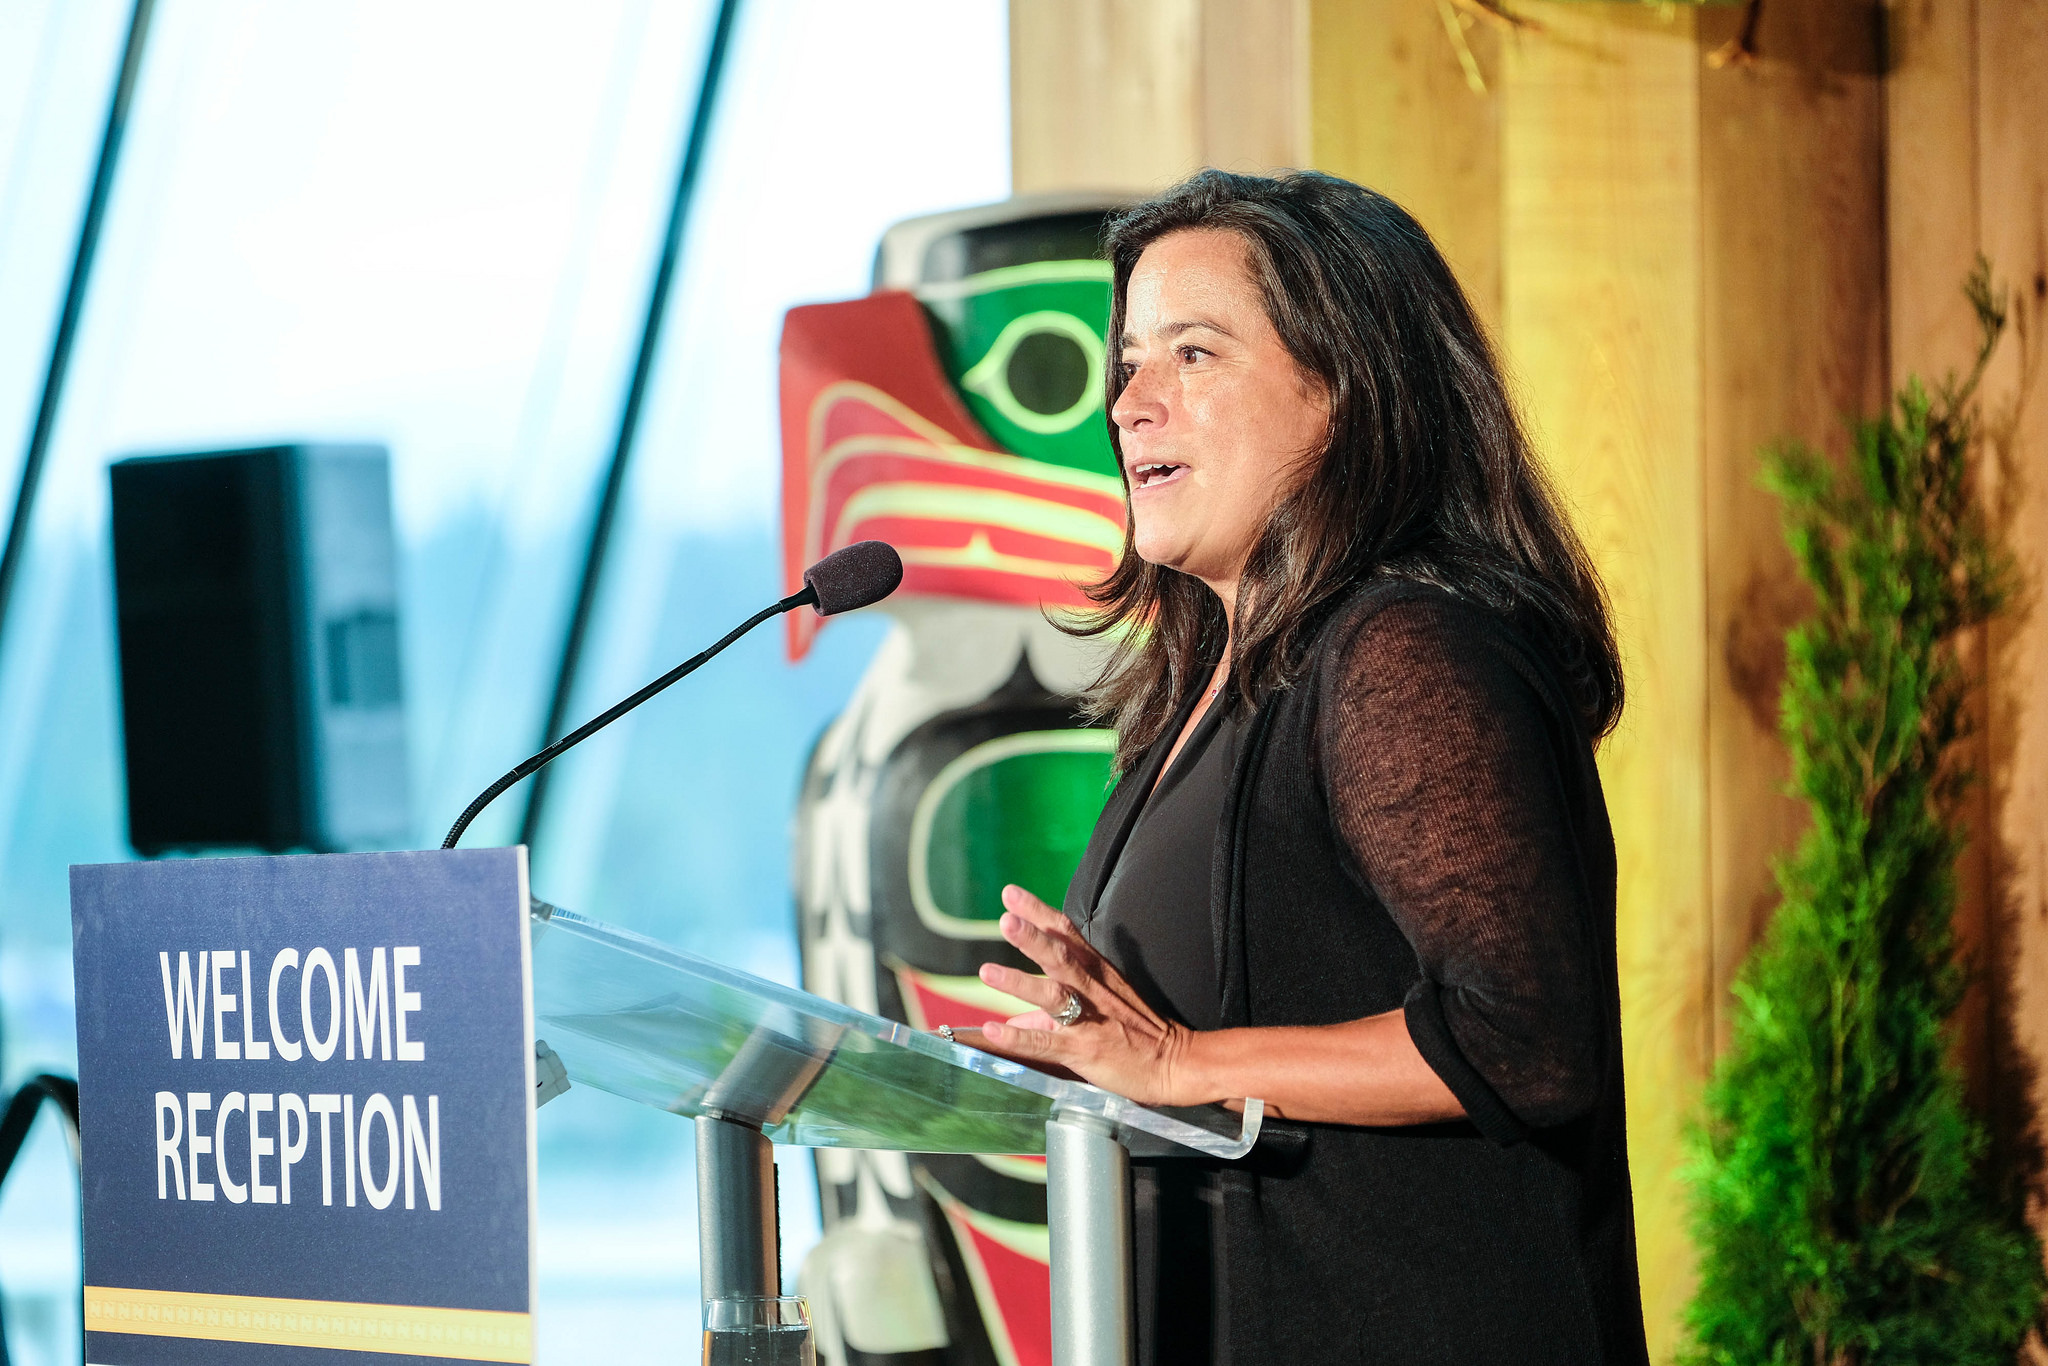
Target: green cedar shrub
<point x="1844" y="1206"/>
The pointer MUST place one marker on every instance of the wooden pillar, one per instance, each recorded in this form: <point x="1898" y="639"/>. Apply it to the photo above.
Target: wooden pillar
<point x="1968" y="114"/>
<point x="1959" y="184"/>
<point x="2012" y="213"/>
<point x="1602" y="320"/>
<point x="1135" y="94"/>
<point x="1793" y="278"/>
<point x="1398" y="103"/>
<point x="1690" y="266"/>
<point x="1934" y="233"/>
<point x="1682" y="265"/>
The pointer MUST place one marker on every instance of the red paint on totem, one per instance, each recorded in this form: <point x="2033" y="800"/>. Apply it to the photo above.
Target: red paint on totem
<point x="1022" y="1287"/>
<point x="938" y="539"/>
<point x="884" y="341"/>
<point x="936" y="1008"/>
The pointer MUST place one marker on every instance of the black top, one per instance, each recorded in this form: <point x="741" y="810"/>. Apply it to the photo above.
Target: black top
<point x="1417" y="824"/>
<point x="1153" y="919"/>
<point x="1152" y="922"/>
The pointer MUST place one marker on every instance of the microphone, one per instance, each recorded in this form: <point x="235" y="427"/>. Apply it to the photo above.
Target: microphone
<point x="852" y="576"/>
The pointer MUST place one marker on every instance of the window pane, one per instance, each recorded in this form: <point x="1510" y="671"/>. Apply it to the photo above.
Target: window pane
<point x="433" y="227"/>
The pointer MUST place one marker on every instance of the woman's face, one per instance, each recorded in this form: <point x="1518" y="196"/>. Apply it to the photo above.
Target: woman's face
<point x="1215" y="416"/>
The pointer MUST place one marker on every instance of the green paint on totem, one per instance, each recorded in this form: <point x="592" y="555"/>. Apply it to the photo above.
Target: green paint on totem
<point x="1024" y="345"/>
<point x="1019" y="808"/>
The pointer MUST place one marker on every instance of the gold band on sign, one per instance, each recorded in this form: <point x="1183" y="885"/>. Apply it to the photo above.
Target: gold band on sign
<point x="461" y="1334"/>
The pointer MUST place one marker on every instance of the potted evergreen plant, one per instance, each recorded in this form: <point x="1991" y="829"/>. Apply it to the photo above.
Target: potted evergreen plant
<point x="1844" y="1207"/>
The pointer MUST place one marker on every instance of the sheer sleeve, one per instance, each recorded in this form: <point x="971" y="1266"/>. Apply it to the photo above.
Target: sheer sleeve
<point x="1438" y="759"/>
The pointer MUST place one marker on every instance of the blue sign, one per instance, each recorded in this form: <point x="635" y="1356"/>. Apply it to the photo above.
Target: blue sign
<point x="306" y="1100"/>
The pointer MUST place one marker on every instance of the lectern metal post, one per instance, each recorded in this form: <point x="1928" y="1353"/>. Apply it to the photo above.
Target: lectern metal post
<point x="737" y="1236"/>
<point x="753" y="1062"/>
<point x="1088" y="1215"/>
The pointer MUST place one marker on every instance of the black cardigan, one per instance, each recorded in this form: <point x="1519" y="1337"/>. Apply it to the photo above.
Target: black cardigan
<point x="1417" y="824"/>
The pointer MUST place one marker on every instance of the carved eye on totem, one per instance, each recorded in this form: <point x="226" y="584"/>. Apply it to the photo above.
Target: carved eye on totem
<point x="1042" y="374"/>
<point x="1024" y="345"/>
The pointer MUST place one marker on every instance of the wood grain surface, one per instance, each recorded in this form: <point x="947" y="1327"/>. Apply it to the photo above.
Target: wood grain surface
<point x="2012" y="214"/>
<point x="1793" y="282"/>
<point x="1135" y="94"/>
<point x="1684" y="264"/>
<point x="1392" y="109"/>
<point x="1602" y="318"/>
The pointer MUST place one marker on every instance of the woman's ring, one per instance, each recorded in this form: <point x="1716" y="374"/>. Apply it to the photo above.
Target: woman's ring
<point x="1069" y="1011"/>
<point x="946" y="1033"/>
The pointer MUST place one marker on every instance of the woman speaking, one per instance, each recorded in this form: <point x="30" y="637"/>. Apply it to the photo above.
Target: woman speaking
<point x="1357" y="862"/>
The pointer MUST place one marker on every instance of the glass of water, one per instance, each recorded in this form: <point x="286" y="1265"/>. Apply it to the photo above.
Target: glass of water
<point x="758" y="1331"/>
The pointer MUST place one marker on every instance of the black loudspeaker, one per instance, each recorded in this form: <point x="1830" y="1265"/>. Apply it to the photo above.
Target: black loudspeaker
<point x="262" y="701"/>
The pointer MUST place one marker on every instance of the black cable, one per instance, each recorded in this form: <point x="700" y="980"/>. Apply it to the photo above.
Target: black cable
<point x="15" y="1121"/>
<point x="74" y="303"/>
<point x="804" y="598"/>
<point x="636" y="393"/>
<point x="61" y="1092"/>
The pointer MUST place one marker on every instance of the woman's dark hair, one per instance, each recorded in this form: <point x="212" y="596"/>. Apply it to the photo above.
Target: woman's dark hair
<point x="1425" y="473"/>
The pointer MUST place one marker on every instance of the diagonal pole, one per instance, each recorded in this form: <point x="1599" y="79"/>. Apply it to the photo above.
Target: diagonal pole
<point x="629" y="414"/>
<point x="74" y="304"/>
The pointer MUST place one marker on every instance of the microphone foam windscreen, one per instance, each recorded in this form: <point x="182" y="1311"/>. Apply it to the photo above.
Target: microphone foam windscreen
<point x="854" y="576"/>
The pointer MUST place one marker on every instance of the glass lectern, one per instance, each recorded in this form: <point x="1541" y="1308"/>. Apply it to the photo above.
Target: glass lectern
<point x="755" y="1063"/>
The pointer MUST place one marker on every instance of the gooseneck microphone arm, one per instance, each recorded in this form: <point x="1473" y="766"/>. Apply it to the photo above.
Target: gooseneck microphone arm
<point x="851" y="577"/>
<point x="806" y="598"/>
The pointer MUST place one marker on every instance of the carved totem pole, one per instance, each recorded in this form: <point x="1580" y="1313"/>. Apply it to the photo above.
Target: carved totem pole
<point x="956" y="413"/>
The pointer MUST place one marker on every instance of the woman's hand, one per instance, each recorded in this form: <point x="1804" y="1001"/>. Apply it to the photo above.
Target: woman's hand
<point x="1360" y="1072"/>
<point x="1119" y="1043"/>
